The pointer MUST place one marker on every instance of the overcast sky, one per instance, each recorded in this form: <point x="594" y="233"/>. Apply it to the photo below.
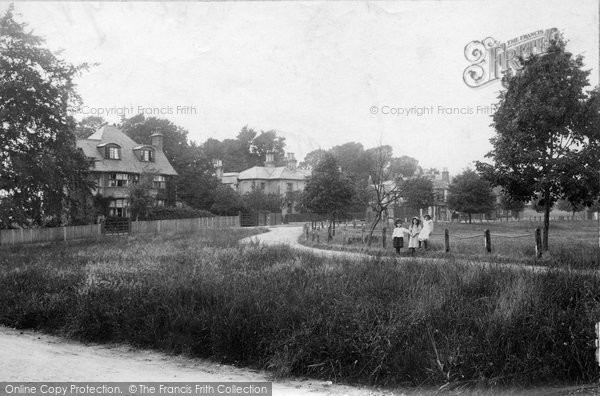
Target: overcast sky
<point x="311" y="70"/>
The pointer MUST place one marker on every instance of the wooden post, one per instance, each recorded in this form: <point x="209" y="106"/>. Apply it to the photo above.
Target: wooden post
<point x="446" y="240"/>
<point x="488" y="241"/>
<point x="383" y="236"/>
<point x="538" y="242"/>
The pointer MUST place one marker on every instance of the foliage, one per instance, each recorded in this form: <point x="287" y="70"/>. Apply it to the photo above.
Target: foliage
<point x="227" y="201"/>
<point x="546" y="142"/>
<point x="142" y="196"/>
<point x="88" y="125"/>
<point x="328" y="190"/>
<point x="375" y="321"/>
<point x="508" y="203"/>
<point x="248" y="149"/>
<point x="166" y="213"/>
<point x="469" y="193"/>
<point x="417" y="193"/>
<point x="259" y="201"/>
<point x="42" y="175"/>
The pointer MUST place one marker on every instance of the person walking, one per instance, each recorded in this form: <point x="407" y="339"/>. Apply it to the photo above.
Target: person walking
<point x="426" y="231"/>
<point x="398" y="235"/>
<point x="413" y="232"/>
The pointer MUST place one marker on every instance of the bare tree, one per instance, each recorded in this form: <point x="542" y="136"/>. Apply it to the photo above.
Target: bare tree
<point x="383" y="187"/>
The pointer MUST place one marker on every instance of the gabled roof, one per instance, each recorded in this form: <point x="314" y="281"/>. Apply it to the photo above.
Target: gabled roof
<point x="129" y="162"/>
<point x="273" y="173"/>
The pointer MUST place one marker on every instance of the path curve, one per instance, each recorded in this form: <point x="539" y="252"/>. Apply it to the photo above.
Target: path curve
<point x="288" y="235"/>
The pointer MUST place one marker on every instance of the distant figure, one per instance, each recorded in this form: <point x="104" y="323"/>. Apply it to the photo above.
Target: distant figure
<point x="413" y="232"/>
<point x="398" y="235"/>
<point x="425" y="231"/>
<point x="455" y="215"/>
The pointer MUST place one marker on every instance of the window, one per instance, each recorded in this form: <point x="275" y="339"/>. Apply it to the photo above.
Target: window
<point x="113" y="152"/>
<point x="290" y="187"/>
<point x="118" y="207"/>
<point x="147" y="155"/>
<point x="160" y="202"/>
<point x="160" y="182"/>
<point x="262" y="186"/>
<point x="118" y="179"/>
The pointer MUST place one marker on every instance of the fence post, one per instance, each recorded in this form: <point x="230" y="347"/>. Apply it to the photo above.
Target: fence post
<point x="446" y="240"/>
<point x="488" y="241"/>
<point x="538" y="242"/>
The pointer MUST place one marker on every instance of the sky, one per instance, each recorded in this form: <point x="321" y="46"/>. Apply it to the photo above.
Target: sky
<point x="319" y="73"/>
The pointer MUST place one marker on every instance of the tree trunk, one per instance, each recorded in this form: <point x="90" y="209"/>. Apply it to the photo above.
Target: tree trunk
<point x="547" y="207"/>
<point x="373" y="225"/>
<point x="469" y="218"/>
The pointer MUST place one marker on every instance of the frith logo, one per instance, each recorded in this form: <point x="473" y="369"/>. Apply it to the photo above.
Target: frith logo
<point x="489" y="58"/>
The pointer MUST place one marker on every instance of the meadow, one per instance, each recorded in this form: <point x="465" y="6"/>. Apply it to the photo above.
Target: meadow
<point x="572" y="244"/>
<point x="375" y="321"/>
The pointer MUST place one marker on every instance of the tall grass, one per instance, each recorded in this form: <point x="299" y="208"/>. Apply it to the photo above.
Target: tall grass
<point x="374" y="321"/>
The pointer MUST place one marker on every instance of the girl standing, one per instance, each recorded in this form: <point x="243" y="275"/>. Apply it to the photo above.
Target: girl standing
<point x="413" y="231"/>
<point x="398" y="235"/>
<point x="427" y="229"/>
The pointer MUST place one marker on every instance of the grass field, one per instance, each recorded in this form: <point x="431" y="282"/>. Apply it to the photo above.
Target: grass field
<point x="573" y="244"/>
<point x="374" y="321"/>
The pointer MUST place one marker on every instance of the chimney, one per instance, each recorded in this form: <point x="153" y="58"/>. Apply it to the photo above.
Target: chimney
<point x="291" y="161"/>
<point x="157" y="140"/>
<point x="445" y="175"/>
<point x="218" y="164"/>
<point x="270" y="160"/>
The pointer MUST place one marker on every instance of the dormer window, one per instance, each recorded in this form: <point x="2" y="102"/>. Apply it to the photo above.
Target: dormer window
<point x="144" y="153"/>
<point x="110" y="150"/>
<point x="147" y="155"/>
<point x="113" y="152"/>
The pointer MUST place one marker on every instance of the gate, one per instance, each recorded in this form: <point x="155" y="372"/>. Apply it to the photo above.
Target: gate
<point x="117" y="225"/>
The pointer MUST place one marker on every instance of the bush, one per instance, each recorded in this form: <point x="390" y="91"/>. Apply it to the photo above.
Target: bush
<point x="166" y="213"/>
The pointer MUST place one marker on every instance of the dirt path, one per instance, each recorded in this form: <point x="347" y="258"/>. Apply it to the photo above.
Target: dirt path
<point x="288" y="235"/>
<point x="31" y="356"/>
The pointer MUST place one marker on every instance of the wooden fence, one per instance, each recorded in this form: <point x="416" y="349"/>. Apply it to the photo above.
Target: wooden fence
<point x="383" y="237"/>
<point x="183" y="225"/>
<point x="35" y="235"/>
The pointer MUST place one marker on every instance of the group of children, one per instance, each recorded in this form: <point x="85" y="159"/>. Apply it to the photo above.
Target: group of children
<point x="418" y="233"/>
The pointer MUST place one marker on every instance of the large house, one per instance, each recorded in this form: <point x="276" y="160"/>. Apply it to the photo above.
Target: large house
<point x="268" y="178"/>
<point x="118" y="162"/>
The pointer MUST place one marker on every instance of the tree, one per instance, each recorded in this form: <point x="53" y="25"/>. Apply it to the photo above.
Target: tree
<point x="547" y="137"/>
<point x="567" y="206"/>
<point x="312" y="159"/>
<point x="469" y="193"/>
<point x="383" y="186"/>
<point x="141" y="198"/>
<point x="259" y="201"/>
<point x="417" y="193"/>
<point x="328" y="191"/>
<point x="43" y="176"/>
<point x="406" y="166"/>
<point x="227" y="201"/>
<point x="88" y="125"/>
<point x="507" y="203"/>
<point x="248" y="149"/>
